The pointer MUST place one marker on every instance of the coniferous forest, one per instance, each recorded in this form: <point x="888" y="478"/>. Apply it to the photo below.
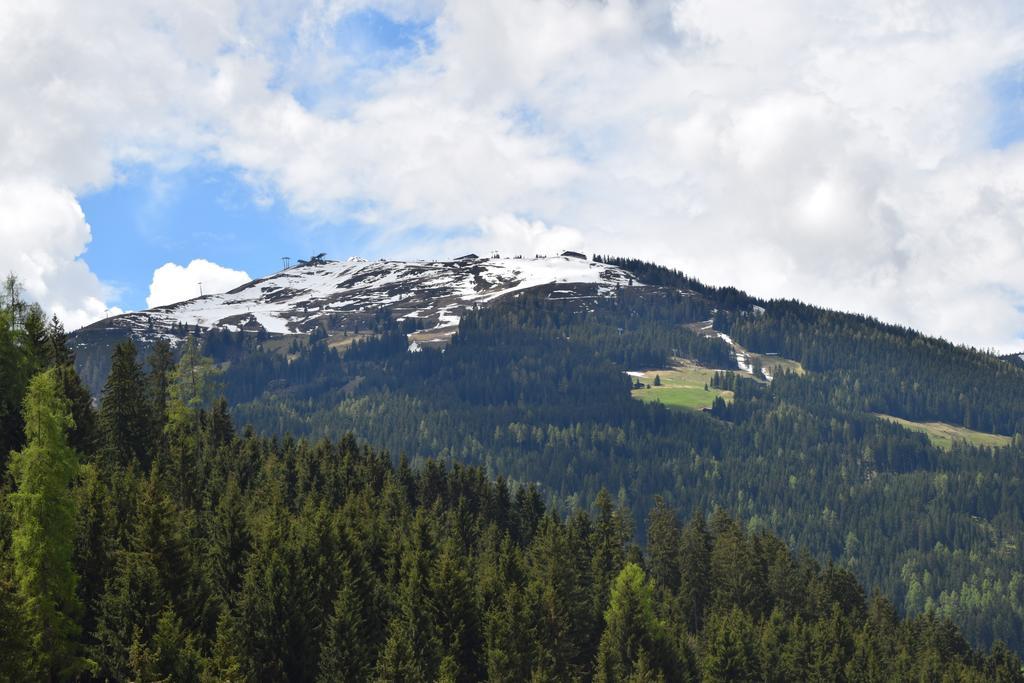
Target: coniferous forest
<point x="545" y="526"/>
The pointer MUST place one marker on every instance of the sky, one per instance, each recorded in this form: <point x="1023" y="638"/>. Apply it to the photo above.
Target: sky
<point x="862" y="156"/>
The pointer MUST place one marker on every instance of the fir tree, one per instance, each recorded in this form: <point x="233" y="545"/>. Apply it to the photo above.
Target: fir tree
<point x="663" y="536"/>
<point x="84" y="436"/>
<point x="161" y="367"/>
<point x="346" y="653"/>
<point x="695" y="572"/>
<point x="230" y="541"/>
<point x="729" y="653"/>
<point x="34" y="338"/>
<point x="125" y="419"/>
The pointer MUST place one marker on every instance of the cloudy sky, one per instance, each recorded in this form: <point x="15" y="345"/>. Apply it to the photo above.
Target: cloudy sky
<point x="867" y="156"/>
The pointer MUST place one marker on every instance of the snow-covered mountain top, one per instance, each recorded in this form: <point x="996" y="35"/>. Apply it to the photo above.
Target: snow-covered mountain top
<point x="295" y="299"/>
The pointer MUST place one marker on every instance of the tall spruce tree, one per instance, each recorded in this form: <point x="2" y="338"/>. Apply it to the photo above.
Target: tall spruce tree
<point x="35" y="341"/>
<point x="43" y="512"/>
<point x="161" y="365"/>
<point x="346" y="653"/>
<point x="695" y="572"/>
<point x="84" y="437"/>
<point x="125" y="418"/>
<point x="663" y="545"/>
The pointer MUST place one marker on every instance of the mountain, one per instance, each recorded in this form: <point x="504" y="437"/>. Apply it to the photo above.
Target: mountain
<point x="476" y="468"/>
<point x="347" y="295"/>
<point x="887" y="452"/>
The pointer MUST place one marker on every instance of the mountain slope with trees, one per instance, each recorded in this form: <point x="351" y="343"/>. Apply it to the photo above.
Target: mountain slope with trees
<point x="177" y="548"/>
<point x="533" y="389"/>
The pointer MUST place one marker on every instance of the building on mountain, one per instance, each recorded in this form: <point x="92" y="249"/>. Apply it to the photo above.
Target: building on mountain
<point x="467" y="257"/>
<point x="574" y="254"/>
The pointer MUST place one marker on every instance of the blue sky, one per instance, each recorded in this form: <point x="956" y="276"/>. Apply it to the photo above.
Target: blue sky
<point x="867" y="158"/>
<point x="150" y="217"/>
<point x="201" y="212"/>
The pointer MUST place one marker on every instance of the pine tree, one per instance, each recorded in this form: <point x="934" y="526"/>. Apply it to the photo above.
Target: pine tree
<point x="192" y="384"/>
<point x="562" y="604"/>
<point x="509" y="639"/>
<point x="230" y="541"/>
<point x="611" y="533"/>
<point x="190" y="391"/>
<point x="84" y="437"/>
<point x="738" y="574"/>
<point x="455" y="613"/>
<point x="695" y="572"/>
<point x="663" y="537"/>
<point x="170" y="655"/>
<point x="34" y="339"/>
<point x="161" y="366"/>
<point x="346" y="654"/>
<point x="412" y="650"/>
<point x="43" y="512"/>
<point x="127" y="612"/>
<point x="125" y="419"/>
<point x="729" y="650"/>
<point x="224" y="664"/>
<point x="95" y="540"/>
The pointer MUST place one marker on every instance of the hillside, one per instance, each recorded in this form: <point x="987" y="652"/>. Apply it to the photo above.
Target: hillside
<point x="533" y="387"/>
<point x="225" y="556"/>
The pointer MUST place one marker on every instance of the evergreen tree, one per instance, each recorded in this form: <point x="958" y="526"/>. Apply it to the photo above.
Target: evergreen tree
<point x="455" y="614"/>
<point x="95" y="541"/>
<point x="346" y="654"/>
<point x="632" y="631"/>
<point x="738" y="573"/>
<point x="663" y="536"/>
<point x="161" y="367"/>
<point x="125" y="418"/>
<point x="230" y="541"/>
<point x="127" y="612"/>
<point x="84" y="436"/>
<point x="730" y="654"/>
<point x="43" y="514"/>
<point x="695" y="572"/>
<point x="563" y="603"/>
<point x="509" y="638"/>
<point x="34" y="338"/>
<point x="13" y="379"/>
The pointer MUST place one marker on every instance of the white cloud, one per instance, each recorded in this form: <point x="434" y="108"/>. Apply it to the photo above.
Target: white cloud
<point x="44" y="236"/>
<point x="837" y="152"/>
<point x="173" y="283"/>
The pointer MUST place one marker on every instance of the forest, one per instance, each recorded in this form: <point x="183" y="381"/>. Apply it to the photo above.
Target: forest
<point x="534" y="390"/>
<point x="151" y="540"/>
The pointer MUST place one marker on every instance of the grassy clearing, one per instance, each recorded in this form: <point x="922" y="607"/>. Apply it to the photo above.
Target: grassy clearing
<point x="943" y="435"/>
<point x="682" y="386"/>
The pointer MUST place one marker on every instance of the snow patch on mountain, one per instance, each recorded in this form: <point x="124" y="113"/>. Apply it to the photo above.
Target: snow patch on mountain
<point x="296" y="299"/>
